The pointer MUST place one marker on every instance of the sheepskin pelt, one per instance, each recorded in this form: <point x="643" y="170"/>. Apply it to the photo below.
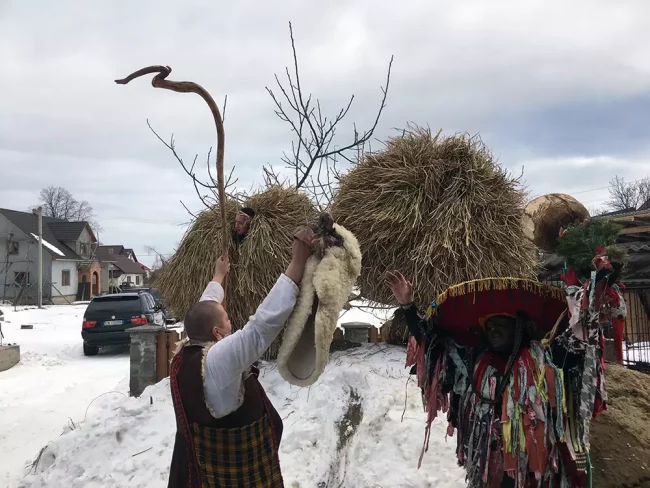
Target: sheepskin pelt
<point x="324" y="290"/>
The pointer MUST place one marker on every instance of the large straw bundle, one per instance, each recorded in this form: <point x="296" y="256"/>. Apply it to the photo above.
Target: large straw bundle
<point x="546" y="215"/>
<point x="256" y="264"/>
<point x="440" y="210"/>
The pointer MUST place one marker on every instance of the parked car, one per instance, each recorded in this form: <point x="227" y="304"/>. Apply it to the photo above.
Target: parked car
<point x="108" y="317"/>
<point x="169" y="318"/>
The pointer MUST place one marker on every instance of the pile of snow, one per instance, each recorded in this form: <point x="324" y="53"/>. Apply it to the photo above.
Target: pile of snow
<point x="53" y="384"/>
<point x="127" y="442"/>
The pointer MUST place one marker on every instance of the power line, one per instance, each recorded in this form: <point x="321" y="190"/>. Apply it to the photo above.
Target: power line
<point x="101" y="219"/>
<point x="594" y="189"/>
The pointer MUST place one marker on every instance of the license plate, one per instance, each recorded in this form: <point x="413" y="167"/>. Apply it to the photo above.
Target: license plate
<point x="114" y="322"/>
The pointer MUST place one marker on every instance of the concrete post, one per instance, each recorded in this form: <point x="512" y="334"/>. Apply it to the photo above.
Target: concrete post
<point x="610" y="355"/>
<point x="40" y="257"/>
<point x="144" y="340"/>
<point x="9" y="356"/>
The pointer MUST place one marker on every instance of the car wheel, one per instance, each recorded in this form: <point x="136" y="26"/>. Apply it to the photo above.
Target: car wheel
<point x="90" y="350"/>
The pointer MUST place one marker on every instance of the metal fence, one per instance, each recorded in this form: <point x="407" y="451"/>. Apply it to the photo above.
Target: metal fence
<point x="636" y="349"/>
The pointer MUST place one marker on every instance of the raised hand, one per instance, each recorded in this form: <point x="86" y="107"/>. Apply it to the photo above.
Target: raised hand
<point x="221" y="269"/>
<point x="401" y="288"/>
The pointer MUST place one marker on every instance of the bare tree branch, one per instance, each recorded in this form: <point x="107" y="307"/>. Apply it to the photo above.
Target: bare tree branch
<point x="208" y="203"/>
<point x="223" y="112"/>
<point x="625" y="195"/>
<point x="59" y="203"/>
<point x="193" y="215"/>
<point x="315" y="132"/>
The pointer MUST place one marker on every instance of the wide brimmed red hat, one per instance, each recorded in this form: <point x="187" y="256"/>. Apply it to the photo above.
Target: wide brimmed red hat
<point x="461" y="310"/>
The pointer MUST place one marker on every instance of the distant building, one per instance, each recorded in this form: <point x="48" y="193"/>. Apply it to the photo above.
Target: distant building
<point x="121" y="268"/>
<point x="70" y="268"/>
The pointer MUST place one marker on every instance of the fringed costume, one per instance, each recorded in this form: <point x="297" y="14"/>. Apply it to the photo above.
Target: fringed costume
<point x="521" y="419"/>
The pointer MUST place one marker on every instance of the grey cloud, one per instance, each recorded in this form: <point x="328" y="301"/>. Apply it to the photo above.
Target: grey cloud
<point x="543" y="82"/>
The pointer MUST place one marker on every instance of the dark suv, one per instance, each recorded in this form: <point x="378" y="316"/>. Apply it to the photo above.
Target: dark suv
<point x="108" y="317"/>
<point x="157" y="298"/>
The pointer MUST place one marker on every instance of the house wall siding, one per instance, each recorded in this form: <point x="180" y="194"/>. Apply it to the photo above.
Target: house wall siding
<point x="25" y="261"/>
<point x="105" y="276"/>
<point x="84" y="238"/>
<point x="132" y="278"/>
<point x="58" y="290"/>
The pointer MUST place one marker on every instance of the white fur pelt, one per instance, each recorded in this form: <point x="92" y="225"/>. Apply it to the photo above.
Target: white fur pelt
<point x="304" y="352"/>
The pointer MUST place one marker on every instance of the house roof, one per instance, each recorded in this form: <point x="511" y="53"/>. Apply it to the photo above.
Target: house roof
<point x="130" y="251"/>
<point x="28" y="223"/>
<point x="67" y="231"/>
<point x="128" y="266"/>
<point x="108" y="254"/>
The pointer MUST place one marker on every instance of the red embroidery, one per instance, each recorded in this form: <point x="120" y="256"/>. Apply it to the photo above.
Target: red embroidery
<point x="181" y="418"/>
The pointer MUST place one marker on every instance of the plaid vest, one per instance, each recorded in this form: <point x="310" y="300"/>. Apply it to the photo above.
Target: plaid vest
<point x="238" y="450"/>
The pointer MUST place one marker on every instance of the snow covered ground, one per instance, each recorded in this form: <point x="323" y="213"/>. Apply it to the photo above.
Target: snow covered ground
<point x="53" y="384"/>
<point x="127" y="442"/>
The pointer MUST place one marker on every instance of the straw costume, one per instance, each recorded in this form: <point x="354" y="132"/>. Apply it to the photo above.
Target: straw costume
<point x="521" y="419"/>
<point x="258" y="235"/>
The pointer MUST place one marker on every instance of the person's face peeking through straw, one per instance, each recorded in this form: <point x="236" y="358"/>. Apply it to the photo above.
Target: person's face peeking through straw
<point x="243" y="222"/>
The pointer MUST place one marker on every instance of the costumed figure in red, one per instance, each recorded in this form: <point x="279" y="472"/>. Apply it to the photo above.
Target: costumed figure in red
<point x="519" y="388"/>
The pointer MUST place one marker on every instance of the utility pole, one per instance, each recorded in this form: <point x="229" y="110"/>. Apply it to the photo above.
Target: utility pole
<point x="40" y="257"/>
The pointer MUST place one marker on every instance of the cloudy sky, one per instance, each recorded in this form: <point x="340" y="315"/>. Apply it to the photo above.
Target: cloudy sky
<point x="561" y="89"/>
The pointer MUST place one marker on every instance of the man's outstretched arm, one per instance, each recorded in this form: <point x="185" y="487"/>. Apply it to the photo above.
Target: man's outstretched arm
<point x="229" y="358"/>
<point x="214" y="290"/>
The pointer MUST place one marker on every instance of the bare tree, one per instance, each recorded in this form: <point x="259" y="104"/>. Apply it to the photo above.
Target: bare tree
<point x="208" y="192"/>
<point x="314" y="156"/>
<point x="625" y="195"/>
<point x="58" y="203"/>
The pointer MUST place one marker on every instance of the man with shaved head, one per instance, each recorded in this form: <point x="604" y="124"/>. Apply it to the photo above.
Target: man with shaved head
<point x="228" y="433"/>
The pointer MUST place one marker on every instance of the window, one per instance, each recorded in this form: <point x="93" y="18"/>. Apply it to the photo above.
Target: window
<point x="116" y="304"/>
<point x="13" y="247"/>
<point x="137" y="280"/>
<point x="110" y="250"/>
<point x="65" y="277"/>
<point x="84" y="249"/>
<point x="21" y="278"/>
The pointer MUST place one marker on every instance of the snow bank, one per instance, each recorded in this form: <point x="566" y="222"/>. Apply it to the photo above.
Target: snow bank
<point x="127" y="442"/>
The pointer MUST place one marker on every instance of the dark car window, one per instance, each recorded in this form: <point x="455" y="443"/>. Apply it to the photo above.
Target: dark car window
<point x="149" y="301"/>
<point x="115" y="304"/>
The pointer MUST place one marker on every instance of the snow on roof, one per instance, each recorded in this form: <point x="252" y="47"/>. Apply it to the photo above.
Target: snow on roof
<point x="50" y="246"/>
<point x="363" y="311"/>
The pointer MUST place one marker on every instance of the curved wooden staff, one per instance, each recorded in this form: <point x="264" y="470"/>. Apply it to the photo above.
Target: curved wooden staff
<point x="160" y="81"/>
